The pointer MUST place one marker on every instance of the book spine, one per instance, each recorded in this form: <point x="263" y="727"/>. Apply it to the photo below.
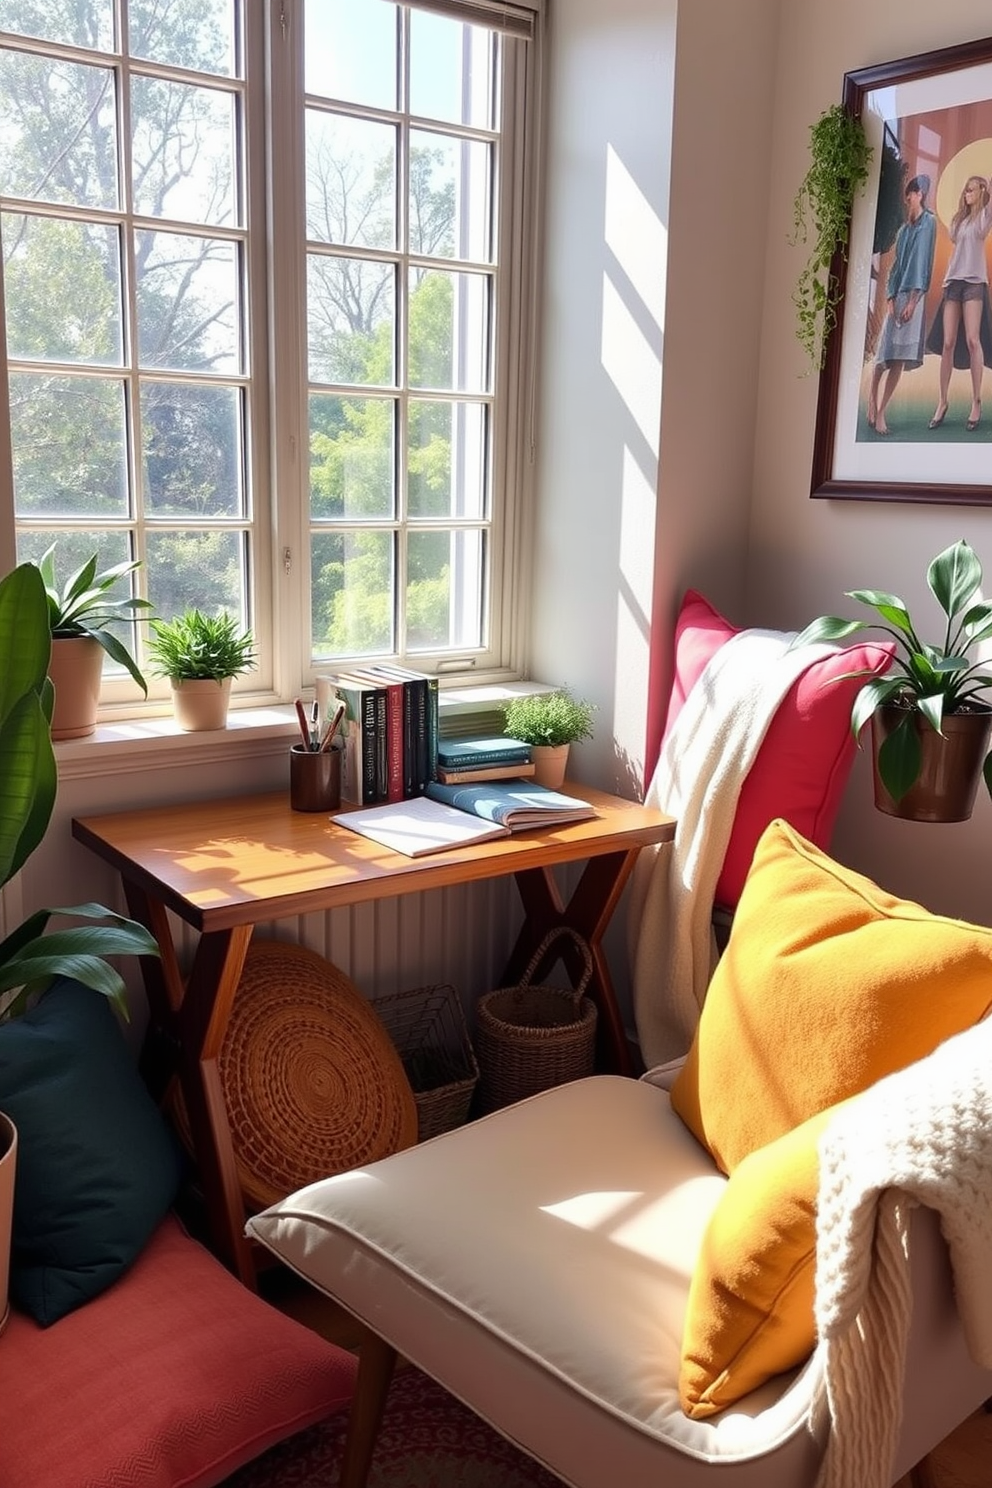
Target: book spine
<point x="454" y="761"/>
<point x="433" y="716"/>
<point x="410" y="738"/>
<point x="358" y="743"/>
<point x="476" y="776"/>
<point x="395" y="731"/>
<point x="381" y="735"/>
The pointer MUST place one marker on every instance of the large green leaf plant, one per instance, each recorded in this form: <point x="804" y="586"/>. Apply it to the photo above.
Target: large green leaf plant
<point x="928" y="681"/>
<point x="30" y="958"/>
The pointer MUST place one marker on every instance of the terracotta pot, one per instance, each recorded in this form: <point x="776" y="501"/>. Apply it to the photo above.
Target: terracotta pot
<point x="8" y="1162"/>
<point x="951" y="769"/>
<point x="550" y="763"/>
<point x="201" y="703"/>
<point x="76" y="670"/>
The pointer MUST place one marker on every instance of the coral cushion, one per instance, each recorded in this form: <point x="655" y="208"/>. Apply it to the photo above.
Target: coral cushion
<point x="827" y="983"/>
<point x="172" y="1378"/>
<point x="750" y="1308"/>
<point x="806" y="755"/>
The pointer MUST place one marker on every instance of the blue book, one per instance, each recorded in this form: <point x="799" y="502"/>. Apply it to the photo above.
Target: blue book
<point x="516" y="805"/>
<point x="462" y="754"/>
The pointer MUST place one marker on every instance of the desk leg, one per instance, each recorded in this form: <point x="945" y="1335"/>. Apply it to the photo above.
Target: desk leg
<point x="588" y="913"/>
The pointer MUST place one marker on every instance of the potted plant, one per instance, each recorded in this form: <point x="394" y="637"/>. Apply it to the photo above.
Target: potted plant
<point x="839" y="159"/>
<point x="549" y="722"/>
<point x="930" y="726"/>
<point x="30" y="958"/>
<point x="79" y="614"/>
<point x="200" y="654"/>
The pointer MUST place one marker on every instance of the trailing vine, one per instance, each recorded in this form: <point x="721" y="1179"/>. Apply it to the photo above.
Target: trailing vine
<point x="839" y="159"/>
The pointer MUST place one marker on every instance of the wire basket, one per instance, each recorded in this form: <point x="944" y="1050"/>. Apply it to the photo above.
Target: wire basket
<point x="427" y="1026"/>
<point x="528" y="1037"/>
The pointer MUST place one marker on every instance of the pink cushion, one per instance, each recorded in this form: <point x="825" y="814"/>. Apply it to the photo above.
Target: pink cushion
<point x="172" y="1378"/>
<point x="806" y="755"/>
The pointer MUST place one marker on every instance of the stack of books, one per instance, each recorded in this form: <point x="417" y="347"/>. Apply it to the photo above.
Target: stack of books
<point x="390" y="729"/>
<point x="471" y="761"/>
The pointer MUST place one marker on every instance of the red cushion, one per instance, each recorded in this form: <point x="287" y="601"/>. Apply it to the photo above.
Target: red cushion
<point x="172" y="1378"/>
<point x="806" y="755"/>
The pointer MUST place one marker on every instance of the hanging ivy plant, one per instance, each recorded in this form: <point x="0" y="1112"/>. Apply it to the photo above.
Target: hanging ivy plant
<point x="839" y="159"/>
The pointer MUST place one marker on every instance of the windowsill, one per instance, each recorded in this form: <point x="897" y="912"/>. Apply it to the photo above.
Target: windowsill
<point x="145" y="744"/>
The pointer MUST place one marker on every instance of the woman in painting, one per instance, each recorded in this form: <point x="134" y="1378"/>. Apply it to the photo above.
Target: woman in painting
<point x="900" y="345"/>
<point x="962" y="328"/>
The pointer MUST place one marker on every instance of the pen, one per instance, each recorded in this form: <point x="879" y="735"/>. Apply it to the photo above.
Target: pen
<point x="332" y="728"/>
<point x="301" y="715"/>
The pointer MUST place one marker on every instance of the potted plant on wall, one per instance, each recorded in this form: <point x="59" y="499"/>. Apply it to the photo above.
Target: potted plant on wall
<point x="80" y="612"/>
<point x="30" y="958"/>
<point x="549" y="722"/>
<point x="201" y="654"/>
<point x="930" y="725"/>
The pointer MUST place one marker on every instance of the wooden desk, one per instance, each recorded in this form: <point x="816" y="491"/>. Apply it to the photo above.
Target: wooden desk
<point x="225" y="866"/>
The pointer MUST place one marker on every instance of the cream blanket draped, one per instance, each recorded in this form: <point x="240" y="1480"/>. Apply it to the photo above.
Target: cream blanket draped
<point x="702" y="766"/>
<point x="923" y="1135"/>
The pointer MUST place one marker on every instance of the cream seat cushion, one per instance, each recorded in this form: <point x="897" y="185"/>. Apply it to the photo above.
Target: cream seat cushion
<point x="559" y="1283"/>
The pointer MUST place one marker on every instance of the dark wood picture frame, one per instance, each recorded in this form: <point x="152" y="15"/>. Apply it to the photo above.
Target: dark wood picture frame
<point x="965" y="477"/>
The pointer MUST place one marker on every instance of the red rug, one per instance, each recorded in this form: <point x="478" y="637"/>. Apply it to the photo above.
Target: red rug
<point x="428" y="1440"/>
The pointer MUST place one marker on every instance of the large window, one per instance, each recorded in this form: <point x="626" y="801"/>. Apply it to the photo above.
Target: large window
<point x="267" y="289"/>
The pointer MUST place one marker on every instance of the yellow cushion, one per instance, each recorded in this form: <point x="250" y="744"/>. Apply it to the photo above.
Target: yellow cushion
<point x="750" y="1309"/>
<point x="827" y="983"/>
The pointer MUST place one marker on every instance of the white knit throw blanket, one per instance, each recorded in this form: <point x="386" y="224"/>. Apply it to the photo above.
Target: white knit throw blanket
<point x="702" y="766"/>
<point x="923" y="1135"/>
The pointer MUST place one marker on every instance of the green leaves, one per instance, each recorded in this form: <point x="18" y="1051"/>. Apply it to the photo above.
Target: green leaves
<point x="194" y="645"/>
<point x="82" y="606"/>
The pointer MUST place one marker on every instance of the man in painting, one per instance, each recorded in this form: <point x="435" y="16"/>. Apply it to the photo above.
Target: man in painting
<point x="900" y="346"/>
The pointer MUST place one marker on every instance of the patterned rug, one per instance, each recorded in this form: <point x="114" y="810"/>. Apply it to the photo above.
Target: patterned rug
<point x="428" y="1440"/>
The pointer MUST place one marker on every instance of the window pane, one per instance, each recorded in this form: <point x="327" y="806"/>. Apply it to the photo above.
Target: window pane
<point x="188" y="298"/>
<point x="62" y="282"/>
<point x="451" y="70"/>
<point x="351" y="51"/>
<point x="69" y="446"/>
<point x="447" y="459"/>
<point x="352" y="577"/>
<point x="352" y="456"/>
<point x="450" y="186"/>
<point x="351" y="181"/>
<point x="205" y="570"/>
<point x="449" y="330"/>
<point x="445" y="573"/>
<point x="350" y="320"/>
<point x="183" y="152"/>
<point x="58" y="131"/>
<point x="192" y="454"/>
<point x="91" y="25"/>
<point x="72" y="550"/>
<point x="199" y="36"/>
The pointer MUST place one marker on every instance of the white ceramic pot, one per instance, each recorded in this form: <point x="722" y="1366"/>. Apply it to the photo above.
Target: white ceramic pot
<point x="76" y="670"/>
<point x="550" y="763"/>
<point x="8" y="1163"/>
<point x="201" y="703"/>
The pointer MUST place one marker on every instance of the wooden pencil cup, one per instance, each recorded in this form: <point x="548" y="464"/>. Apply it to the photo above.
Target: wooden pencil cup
<point x="314" y="779"/>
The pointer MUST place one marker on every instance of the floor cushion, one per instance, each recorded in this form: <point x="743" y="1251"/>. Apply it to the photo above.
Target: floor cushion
<point x="174" y="1377"/>
<point x="806" y="755"/>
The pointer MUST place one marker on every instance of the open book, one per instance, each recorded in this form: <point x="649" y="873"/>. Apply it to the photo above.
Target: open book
<point x="515" y="804"/>
<point x="430" y="823"/>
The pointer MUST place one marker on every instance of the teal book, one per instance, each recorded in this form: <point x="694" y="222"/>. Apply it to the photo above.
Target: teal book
<point x="464" y="754"/>
<point x="515" y="805"/>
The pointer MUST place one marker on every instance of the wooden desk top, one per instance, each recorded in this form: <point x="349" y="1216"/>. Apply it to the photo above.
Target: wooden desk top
<point x="247" y="859"/>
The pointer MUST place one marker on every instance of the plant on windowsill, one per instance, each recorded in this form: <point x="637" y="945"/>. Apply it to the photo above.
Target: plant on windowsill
<point x="930" y="726"/>
<point x="80" y="612"/>
<point x="29" y="958"/>
<point x="200" y="654"/>
<point x="549" y="722"/>
<point x="839" y="159"/>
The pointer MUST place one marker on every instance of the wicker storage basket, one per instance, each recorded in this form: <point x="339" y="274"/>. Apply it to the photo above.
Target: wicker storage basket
<point x="529" y="1037"/>
<point x="427" y="1026"/>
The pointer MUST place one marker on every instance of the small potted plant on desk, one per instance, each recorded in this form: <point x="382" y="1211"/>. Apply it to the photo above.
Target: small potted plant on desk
<point x="201" y="654"/>
<point x="549" y="722"/>
<point x="930" y="727"/>
<point x="30" y="959"/>
<point x="79" y="614"/>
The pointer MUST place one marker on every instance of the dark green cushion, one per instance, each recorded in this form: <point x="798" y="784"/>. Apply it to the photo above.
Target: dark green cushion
<point x="97" y="1167"/>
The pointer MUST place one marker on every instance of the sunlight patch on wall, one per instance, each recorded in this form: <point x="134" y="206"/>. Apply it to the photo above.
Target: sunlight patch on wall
<point x="636" y="237"/>
<point x="632" y="366"/>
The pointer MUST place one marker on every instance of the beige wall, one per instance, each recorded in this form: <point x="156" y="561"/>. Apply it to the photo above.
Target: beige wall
<point x="804" y="554"/>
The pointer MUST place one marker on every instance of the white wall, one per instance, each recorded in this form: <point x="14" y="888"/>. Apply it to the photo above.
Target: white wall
<point x="805" y="554"/>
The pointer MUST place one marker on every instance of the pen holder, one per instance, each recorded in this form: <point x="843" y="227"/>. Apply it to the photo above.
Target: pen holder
<point x="314" y="779"/>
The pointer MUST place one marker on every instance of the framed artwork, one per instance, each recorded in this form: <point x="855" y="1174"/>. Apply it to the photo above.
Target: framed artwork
<point x="900" y="414"/>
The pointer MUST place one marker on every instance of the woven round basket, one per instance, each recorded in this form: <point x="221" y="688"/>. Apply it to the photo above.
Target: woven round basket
<point x="312" y="1081"/>
<point x="529" y="1038"/>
